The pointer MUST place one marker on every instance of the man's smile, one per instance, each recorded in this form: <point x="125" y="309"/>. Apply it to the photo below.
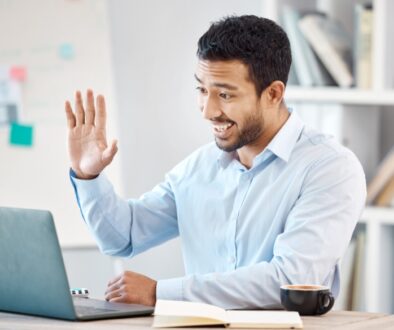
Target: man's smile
<point x="222" y="129"/>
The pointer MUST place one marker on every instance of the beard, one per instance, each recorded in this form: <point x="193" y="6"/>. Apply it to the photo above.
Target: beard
<point x="253" y="128"/>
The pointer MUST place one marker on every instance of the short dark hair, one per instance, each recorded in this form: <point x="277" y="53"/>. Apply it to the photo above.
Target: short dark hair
<point x="258" y="42"/>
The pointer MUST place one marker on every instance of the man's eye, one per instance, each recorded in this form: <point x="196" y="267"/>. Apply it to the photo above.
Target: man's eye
<point x="225" y="96"/>
<point x="201" y="89"/>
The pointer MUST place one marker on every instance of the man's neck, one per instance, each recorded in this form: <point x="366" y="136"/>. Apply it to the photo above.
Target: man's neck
<point x="249" y="152"/>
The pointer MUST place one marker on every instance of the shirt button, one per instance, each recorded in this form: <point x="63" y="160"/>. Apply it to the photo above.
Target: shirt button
<point x="231" y="260"/>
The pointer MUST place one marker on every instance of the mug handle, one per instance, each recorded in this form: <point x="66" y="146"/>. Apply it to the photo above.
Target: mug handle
<point x="322" y="305"/>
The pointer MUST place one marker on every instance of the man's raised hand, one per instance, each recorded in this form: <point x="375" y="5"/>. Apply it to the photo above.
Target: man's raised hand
<point x="87" y="142"/>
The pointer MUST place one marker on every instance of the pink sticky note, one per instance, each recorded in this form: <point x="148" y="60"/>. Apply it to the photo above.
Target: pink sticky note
<point x="18" y="73"/>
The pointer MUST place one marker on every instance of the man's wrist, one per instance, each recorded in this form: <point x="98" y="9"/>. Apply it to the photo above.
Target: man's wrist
<point x="80" y="176"/>
<point x="154" y="293"/>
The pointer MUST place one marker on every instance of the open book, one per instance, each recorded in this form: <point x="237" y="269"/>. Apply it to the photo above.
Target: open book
<point x="169" y="313"/>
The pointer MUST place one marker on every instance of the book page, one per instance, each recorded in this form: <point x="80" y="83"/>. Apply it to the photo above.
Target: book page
<point x="182" y="321"/>
<point x="189" y="309"/>
<point x="264" y="319"/>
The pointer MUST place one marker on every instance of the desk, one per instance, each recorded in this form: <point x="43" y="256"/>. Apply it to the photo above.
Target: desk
<point x="333" y="320"/>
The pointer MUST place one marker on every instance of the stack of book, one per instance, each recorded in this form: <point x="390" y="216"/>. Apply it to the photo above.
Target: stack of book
<point x="381" y="188"/>
<point x="323" y="53"/>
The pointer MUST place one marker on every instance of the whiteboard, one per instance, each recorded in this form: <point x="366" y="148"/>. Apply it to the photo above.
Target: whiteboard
<point x="32" y="35"/>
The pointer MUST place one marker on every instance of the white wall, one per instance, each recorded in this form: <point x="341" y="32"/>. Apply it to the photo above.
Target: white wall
<point x="154" y="46"/>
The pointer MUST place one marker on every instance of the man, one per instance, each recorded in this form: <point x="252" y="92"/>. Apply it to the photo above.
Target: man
<point x="271" y="202"/>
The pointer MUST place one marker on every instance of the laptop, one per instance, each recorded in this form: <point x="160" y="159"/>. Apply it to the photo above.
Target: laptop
<point x="33" y="278"/>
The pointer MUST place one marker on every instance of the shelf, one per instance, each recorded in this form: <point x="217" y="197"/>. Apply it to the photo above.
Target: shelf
<point x="381" y="215"/>
<point x="339" y="95"/>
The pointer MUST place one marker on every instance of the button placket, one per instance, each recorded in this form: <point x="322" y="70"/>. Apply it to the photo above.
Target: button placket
<point x="243" y="187"/>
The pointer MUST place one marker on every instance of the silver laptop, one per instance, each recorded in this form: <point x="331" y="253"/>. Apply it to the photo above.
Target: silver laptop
<point x="33" y="279"/>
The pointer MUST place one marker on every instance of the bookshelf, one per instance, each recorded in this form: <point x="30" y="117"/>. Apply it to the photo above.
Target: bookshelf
<point x="377" y="288"/>
<point x="351" y="96"/>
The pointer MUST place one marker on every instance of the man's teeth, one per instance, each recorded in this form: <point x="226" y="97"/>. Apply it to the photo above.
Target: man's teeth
<point x="221" y="128"/>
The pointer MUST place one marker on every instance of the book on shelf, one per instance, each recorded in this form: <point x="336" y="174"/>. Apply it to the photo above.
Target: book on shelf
<point x="292" y="80"/>
<point x="331" y="44"/>
<point x="386" y="196"/>
<point x="307" y="68"/>
<point x="383" y="175"/>
<point x="169" y="314"/>
<point x="362" y="59"/>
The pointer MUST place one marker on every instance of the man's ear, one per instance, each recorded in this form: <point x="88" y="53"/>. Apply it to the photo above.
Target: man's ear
<point x="274" y="93"/>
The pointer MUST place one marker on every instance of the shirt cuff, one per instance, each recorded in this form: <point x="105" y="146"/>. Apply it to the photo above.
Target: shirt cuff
<point x="170" y="289"/>
<point x="87" y="190"/>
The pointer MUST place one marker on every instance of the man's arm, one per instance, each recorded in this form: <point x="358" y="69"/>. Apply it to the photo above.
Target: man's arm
<point x="126" y="227"/>
<point x="121" y="227"/>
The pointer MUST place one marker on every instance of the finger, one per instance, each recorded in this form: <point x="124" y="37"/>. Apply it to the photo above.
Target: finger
<point x="79" y="111"/>
<point x="70" y="115"/>
<point x="124" y="297"/>
<point x="101" y="115"/>
<point x="120" y="299"/>
<point x="114" y="280"/>
<point x="110" y="152"/>
<point x="89" y="114"/>
<point x="113" y="294"/>
<point x="114" y="287"/>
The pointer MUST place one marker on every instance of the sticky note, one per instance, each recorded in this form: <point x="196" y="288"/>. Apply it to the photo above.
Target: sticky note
<point x="8" y="114"/>
<point x="66" y="51"/>
<point x="18" y="73"/>
<point x="12" y="112"/>
<point x="21" y="135"/>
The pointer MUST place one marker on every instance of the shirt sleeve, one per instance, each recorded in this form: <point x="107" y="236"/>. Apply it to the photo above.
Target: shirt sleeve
<point x="126" y="227"/>
<point x="317" y="232"/>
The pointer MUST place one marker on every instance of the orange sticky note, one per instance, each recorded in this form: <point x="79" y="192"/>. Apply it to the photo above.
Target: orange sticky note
<point x="18" y="73"/>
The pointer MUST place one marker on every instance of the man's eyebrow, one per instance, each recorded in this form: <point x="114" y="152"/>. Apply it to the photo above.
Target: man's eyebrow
<point x="198" y="79"/>
<point x="226" y="86"/>
<point x="221" y="85"/>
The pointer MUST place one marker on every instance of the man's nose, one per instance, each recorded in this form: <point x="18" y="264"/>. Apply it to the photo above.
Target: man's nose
<point x="210" y="108"/>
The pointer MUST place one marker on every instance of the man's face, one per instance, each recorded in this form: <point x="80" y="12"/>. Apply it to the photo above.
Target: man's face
<point x="227" y="98"/>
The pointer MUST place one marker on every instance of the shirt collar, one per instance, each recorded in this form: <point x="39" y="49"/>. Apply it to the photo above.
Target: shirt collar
<point x="281" y="145"/>
<point x="285" y="140"/>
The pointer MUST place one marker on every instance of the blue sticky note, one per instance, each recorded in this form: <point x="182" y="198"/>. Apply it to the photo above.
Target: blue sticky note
<point x="66" y="51"/>
<point x="21" y="135"/>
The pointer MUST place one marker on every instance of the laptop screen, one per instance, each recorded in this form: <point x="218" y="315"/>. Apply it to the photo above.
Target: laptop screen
<point x="33" y="279"/>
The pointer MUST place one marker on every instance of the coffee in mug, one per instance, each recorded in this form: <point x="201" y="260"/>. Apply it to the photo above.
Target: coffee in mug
<point x="306" y="299"/>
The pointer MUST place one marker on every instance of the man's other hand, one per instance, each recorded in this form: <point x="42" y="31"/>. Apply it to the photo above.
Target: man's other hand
<point x="132" y="288"/>
<point x="87" y="141"/>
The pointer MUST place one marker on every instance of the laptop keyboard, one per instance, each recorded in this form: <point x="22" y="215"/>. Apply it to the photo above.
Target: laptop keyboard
<point x="93" y="307"/>
<point x="85" y="306"/>
<point x="87" y="310"/>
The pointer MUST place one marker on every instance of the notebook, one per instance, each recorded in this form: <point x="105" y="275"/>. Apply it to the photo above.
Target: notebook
<point x="169" y="314"/>
<point x="33" y="279"/>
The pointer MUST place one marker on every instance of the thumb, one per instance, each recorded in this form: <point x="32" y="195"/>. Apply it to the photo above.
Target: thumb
<point x="109" y="153"/>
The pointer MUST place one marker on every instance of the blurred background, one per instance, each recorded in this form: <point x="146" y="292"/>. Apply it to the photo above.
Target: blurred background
<point x="141" y="56"/>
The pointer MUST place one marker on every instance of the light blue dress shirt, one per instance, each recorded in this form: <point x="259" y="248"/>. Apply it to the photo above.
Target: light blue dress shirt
<point x="244" y="232"/>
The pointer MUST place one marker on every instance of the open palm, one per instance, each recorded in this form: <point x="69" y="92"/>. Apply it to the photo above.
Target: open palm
<point x="87" y="141"/>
